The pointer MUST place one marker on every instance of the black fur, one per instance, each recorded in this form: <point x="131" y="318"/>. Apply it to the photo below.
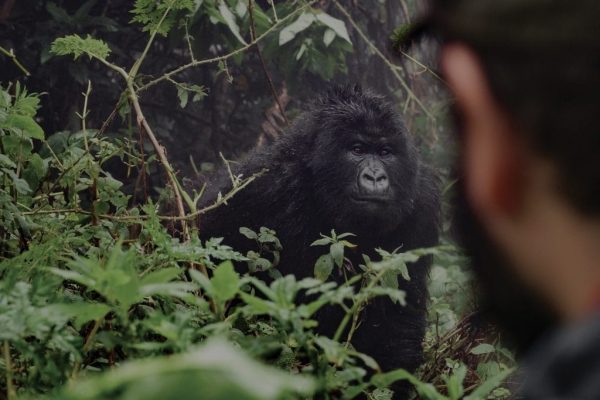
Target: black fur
<point x="307" y="191"/>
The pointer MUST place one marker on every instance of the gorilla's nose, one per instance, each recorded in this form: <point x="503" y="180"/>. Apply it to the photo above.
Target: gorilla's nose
<point x="374" y="181"/>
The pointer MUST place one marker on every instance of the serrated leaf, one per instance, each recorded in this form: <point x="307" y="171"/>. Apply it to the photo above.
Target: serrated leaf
<point x="76" y="45"/>
<point x="337" y="25"/>
<point x="29" y="127"/>
<point x="323" y="267"/>
<point x="81" y="312"/>
<point x="73" y="276"/>
<point x="289" y="32"/>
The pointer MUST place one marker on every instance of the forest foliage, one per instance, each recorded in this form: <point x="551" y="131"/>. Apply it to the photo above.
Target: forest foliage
<point x="99" y="300"/>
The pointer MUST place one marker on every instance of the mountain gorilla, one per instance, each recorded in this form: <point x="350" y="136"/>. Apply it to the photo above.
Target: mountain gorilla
<point x="348" y="164"/>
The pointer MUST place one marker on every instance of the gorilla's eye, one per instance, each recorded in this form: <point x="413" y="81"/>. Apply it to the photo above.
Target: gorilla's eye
<point x="358" y="149"/>
<point x="384" y="152"/>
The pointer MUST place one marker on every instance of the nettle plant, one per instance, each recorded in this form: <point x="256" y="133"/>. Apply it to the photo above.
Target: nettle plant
<point x="99" y="300"/>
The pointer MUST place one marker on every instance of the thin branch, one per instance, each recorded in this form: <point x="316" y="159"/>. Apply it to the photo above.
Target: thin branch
<point x="405" y="10"/>
<point x="272" y="4"/>
<point x="393" y="67"/>
<point x="138" y="63"/>
<point x="188" y="40"/>
<point x="84" y="114"/>
<point x="138" y="218"/>
<point x="420" y="64"/>
<point x="14" y="59"/>
<point x="262" y="61"/>
<point x="143" y="123"/>
<point x="227" y="56"/>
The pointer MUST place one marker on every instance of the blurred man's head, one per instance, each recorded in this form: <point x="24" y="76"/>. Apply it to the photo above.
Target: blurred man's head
<point x="525" y="75"/>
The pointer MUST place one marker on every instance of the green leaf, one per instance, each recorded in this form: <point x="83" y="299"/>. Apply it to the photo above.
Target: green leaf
<point x="161" y="15"/>
<point x="249" y="233"/>
<point x="390" y="279"/>
<point x="483" y="348"/>
<point x="203" y="281"/>
<point x="337" y="253"/>
<point x="217" y="370"/>
<point x="323" y="267"/>
<point x="225" y="281"/>
<point x="73" y="276"/>
<point x="162" y="275"/>
<point x="483" y="390"/>
<point x="21" y="185"/>
<point x="81" y="312"/>
<point x="29" y="127"/>
<point x="328" y="36"/>
<point x="426" y="390"/>
<point x="257" y="306"/>
<point x="321" y="242"/>
<point x="75" y="45"/>
<point x="382" y="394"/>
<point x="5" y="161"/>
<point x="368" y="360"/>
<point x="337" y="25"/>
<point x="182" y="94"/>
<point x="289" y="32"/>
<point x="454" y="383"/>
<point x="229" y="18"/>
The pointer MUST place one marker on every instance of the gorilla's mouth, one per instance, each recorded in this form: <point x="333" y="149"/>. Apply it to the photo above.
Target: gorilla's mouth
<point x="381" y="200"/>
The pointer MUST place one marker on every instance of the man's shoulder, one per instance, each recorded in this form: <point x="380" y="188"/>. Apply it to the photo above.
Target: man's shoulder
<point x="566" y="364"/>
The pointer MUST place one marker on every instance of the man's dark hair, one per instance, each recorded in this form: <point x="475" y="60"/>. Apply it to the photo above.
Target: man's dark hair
<point x="542" y="61"/>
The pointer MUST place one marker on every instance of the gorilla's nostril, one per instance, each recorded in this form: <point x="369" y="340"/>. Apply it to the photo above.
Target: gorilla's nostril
<point x="381" y="178"/>
<point x="369" y="177"/>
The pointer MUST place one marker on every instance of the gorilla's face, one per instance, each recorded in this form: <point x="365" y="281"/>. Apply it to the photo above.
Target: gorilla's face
<point x="363" y="166"/>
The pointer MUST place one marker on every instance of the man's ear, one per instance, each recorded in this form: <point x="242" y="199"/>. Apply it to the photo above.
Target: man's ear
<point x="492" y="157"/>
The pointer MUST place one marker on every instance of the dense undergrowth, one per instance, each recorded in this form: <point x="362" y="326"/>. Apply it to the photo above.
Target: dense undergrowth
<point x="98" y="300"/>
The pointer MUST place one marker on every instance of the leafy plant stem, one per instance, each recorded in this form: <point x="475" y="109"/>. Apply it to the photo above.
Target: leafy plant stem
<point x="356" y="307"/>
<point x="10" y="388"/>
<point x="160" y="150"/>
<point x="88" y="343"/>
<point x="136" y="66"/>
